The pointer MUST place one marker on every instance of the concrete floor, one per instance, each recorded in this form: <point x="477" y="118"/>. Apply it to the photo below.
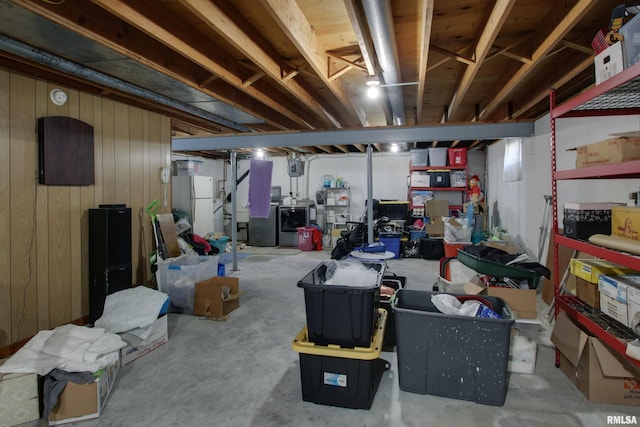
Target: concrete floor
<point x="244" y="372"/>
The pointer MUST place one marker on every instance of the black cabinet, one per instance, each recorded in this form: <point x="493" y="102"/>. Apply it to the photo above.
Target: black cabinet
<point x="109" y="254"/>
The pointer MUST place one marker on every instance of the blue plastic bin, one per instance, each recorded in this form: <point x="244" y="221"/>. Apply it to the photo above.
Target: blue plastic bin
<point x="417" y="234"/>
<point x="392" y="242"/>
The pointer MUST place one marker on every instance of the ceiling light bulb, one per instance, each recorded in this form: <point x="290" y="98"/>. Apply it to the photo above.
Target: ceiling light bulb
<point x="373" y="91"/>
<point x="373" y="81"/>
<point x="260" y="153"/>
<point x="394" y="148"/>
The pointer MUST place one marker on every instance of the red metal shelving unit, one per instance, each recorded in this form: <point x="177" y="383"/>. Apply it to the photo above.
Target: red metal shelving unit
<point x="463" y="190"/>
<point x="616" y="96"/>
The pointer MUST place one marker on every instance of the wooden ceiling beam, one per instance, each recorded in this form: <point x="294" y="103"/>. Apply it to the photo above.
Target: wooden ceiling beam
<point x="326" y="149"/>
<point x="340" y="72"/>
<point x="294" y="72"/>
<point x="251" y="80"/>
<point x="232" y="29"/>
<point x="424" y="34"/>
<point x="109" y="31"/>
<point x="508" y="52"/>
<point x="452" y="55"/>
<point x="580" y="48"/>
<point x="544" y="93"/>
<point x="496" y="20"/>
<point x="341" y="58"/>
<point x="515" y="56"/>
<point x="295" y="25"/>
<point x="561" y="21"/>
<point x="438" y="64"/>
<point x="182" y="39"/>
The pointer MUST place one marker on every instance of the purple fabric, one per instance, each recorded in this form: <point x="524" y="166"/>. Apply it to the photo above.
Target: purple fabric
<point x="260" y="188"/>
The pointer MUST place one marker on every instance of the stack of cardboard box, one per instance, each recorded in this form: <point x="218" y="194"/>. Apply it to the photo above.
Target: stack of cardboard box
<point x="434" y="210"/>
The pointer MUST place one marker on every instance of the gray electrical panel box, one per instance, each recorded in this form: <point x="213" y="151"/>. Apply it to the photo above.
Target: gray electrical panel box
<point x="296" y="167"/>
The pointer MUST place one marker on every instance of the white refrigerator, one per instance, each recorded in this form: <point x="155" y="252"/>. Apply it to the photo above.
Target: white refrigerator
<point x="194" y="196"/>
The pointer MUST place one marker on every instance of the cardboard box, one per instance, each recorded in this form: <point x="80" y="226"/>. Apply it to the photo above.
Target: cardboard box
<point x="508" y="246"/>
<point x="625" y="222"/>
<point x="591" y="269"/>
<point x="633" y="309"/>
<point x="435" y="228"/>
<point x="522" y="302"/>
<point x="436" y="208"/>
<point x="19" y="399"/>
<point x="609" y="62"/>
<point x="209" y="301"/>
<point x="600" y="374"/>
<point x="613" y="150"/>
<point x="616" y="286"/>
<point x="587" y="292"/>
<point x="564" y="258"/>
<point x="84" y="401"/>
<point x="614" y="309"/>
<point x="137" y="347"/>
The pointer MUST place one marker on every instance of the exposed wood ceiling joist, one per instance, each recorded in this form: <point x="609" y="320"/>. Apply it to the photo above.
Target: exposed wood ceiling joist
<point x="302" y="65"/>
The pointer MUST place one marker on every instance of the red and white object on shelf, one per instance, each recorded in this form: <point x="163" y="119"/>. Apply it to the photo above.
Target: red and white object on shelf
<point x="609" y="62"/>
<point x="457" y="156"/>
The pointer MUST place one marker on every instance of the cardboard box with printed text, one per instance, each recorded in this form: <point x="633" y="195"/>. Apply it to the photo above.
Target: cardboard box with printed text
<point x="137" y="347"/>
<point x="612" y="150"/>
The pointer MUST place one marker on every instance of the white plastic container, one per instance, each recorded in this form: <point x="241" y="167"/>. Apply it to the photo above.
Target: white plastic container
<point x="177" y="278"/>
<point x="449" y="287"/>
<point x="522" y="355"/>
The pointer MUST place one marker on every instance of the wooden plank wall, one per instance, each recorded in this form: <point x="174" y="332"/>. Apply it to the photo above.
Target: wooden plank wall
<point x="44" y="229"/>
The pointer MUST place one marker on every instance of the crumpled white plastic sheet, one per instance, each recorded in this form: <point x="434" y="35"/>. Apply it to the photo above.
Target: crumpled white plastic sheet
<point x="71" y="348"/>
<point x="350" y="273"/>
<point x="132" y="310"/>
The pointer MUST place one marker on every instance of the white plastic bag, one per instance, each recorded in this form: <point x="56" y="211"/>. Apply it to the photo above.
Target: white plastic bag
<point x="350" y="273"/>
<point x="449" y="304"/>
<point x="446" y="303"/>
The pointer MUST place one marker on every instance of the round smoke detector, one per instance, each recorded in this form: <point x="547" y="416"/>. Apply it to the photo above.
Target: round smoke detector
<point x="58" y="96"/>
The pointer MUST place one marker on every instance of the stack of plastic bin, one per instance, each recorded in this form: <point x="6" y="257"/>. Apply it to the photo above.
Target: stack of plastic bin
<point x="340" y="346"/>
<point x="341" y="376"/>
<point x="452" y="356"/>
